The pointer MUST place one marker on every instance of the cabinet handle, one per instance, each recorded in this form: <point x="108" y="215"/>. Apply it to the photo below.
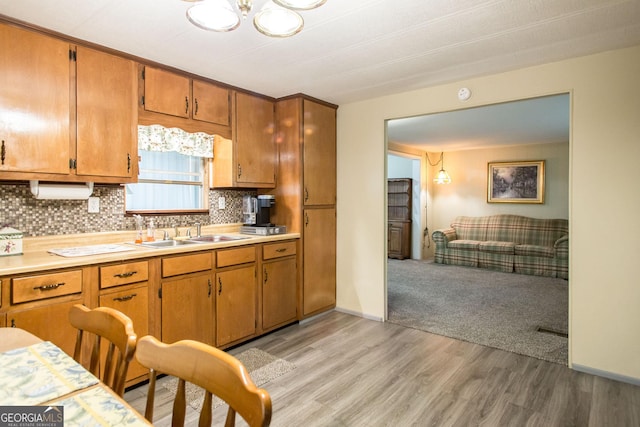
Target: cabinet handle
<point x="125" y="275"/>
<point x="281" y="250"/>
<point x="125" y="298"/>
<point x="219" y="286"/>
<point x="239" y="170"/>
<point x="306" y="219"/>
<point x="209" y="283"/>
<point x="186" y="104"/>
<point x="49" y="287"/>
<point x="266" y="276"/>
<point x="3" y="152"/>
<point x="195" y="112"/>
<point x="128" y="163"/>
<point x="306" y="194"/>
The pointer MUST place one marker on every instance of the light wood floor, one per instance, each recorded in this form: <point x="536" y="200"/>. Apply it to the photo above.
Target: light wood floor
<point x="356" y="372"/>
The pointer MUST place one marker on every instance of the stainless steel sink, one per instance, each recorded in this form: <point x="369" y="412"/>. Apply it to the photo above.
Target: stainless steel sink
<point x="166" y="243"/>
<point x="214" y="238"/>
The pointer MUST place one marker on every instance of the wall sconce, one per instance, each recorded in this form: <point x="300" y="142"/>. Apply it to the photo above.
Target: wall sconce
<point x="442" y="177"/>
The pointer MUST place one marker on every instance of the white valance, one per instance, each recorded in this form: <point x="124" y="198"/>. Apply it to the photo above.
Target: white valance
<point x="160" y="138"/>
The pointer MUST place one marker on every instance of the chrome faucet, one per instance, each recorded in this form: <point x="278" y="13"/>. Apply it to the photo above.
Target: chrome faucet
<point x="198" y="230"/>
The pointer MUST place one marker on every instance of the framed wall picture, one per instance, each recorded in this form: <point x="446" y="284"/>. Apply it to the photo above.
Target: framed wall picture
<point x="515" y="182"/>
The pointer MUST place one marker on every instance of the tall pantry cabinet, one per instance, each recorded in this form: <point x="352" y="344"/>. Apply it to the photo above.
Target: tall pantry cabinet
<point x="306" y="193"/>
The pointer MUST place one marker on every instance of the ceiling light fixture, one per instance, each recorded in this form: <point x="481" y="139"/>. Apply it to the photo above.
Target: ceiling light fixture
<point x="277" y="18"/>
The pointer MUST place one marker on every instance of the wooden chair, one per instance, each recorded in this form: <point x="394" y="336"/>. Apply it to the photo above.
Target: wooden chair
<point x="217" y="372"/>
<point x="117" y="329"/>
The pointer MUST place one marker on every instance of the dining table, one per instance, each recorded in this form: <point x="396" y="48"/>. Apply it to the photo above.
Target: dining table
<point x="34" y="372"/>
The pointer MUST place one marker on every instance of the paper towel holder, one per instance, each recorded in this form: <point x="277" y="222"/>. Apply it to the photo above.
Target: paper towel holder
<point x="60" y="191"/>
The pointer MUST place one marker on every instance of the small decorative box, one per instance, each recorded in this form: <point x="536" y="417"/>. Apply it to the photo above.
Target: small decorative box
<point x="10" y="241"/>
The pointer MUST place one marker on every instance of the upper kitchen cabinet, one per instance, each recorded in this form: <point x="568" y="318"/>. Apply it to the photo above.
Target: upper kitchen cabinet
<point x="248" y="160"/>
<point x="35" y="130"/>
<point x="67" y="114"/>
<point x="319" y="154"/>
<point x="107" y="116"/>
<point x="175" y="100"/>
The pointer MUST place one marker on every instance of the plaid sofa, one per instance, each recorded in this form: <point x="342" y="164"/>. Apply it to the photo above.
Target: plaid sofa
<point x="509" y="243"/>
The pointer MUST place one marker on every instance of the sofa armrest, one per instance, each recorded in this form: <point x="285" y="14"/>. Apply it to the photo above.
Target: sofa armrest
<point x="442" y="237"/>
<point x="562" y="242"/>
<point x="561" y="247"/>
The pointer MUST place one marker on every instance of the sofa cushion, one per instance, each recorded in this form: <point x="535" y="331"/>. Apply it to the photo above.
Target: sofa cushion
<point x="534" y="250"/>
<point x="464" y="244"/>
<point x="497" y="247"/>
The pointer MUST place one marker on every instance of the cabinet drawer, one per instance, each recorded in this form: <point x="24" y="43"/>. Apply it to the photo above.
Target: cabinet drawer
<point x="33" y="288"/>
<point x="225" y="258"/>
<point x="186" y="264"/>
<point x="278" y="250"/>
<point x="122" y="274"/>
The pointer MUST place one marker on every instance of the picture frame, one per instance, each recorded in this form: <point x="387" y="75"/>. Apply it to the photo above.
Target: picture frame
<point x="516" y="182"/>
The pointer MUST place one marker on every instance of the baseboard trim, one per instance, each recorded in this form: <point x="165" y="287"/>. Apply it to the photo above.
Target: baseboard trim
<point x="359" y="314"/>
<point x="606" y="374"/>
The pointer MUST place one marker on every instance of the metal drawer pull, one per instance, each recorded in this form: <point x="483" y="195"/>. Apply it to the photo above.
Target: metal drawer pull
<point x="125" y="298"/>
<point x="49" y="287"/>
<point x="125" y="275"/>
<point x="281" y="250"/>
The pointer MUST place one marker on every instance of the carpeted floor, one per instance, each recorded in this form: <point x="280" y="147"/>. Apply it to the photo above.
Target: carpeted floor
<point x="262" y="366"/>
<point x="500" y="310"/>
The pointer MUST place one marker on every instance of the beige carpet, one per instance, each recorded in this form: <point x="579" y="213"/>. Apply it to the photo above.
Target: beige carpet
<point x="499" y="310"/>
<point x="262" y="366"/>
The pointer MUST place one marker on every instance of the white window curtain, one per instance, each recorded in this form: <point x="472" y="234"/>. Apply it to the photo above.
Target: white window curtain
<point x="160" y="138"/>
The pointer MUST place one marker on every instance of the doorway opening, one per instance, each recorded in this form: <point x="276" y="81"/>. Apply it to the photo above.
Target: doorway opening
<point x="532" y="129"/>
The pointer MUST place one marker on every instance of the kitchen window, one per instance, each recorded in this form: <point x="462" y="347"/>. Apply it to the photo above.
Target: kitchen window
<point x="173" y="172"/>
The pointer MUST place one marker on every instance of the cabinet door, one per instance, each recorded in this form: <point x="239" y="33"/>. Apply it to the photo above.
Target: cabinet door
<point x="319" y="270"/>
<point x="235" y="304"/>
<point x="134" y="302"/>
<point x="50" y="323"/>
<point x="279" y="296"/>
<point x="187" y="309"/>
<point x="166" y="92"/>
<point x="34" y="102"/>
<point x="211" y="103"/>
<point x="319" y="155"/>
<point x="107" y="114"/>
<point x="255" y="149"/>
<point x="394" y="243"/>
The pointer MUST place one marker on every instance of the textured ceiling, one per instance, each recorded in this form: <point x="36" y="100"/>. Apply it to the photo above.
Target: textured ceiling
<point x="350" y="50"/>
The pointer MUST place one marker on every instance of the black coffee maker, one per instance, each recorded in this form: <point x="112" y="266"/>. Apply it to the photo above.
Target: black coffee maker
<point x="263" y="214"/>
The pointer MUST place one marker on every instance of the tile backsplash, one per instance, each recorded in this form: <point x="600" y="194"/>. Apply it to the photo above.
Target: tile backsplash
<point x="20" y="210"/>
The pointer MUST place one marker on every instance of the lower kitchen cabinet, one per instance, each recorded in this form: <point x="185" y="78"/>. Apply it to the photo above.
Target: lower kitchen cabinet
<point x="319" y="265"/>
<point x="279" y="285"/>
<point x="133" y="301"/>
<point x="187" y="309"/>
<point x="49" y="322"/>
<point x="235" y="304"/>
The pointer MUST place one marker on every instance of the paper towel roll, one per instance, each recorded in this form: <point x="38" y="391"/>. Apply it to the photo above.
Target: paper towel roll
<point x="61" y="191"/>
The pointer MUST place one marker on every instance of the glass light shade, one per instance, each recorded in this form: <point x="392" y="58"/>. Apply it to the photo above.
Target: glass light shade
<point x="300" y="4"/>
<point x="213" y="15"/>
<point x="443" y="177"/>
<point x="276" y="21"/>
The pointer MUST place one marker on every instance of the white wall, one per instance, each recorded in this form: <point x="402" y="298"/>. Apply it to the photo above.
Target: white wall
<point x="604" y="295"/>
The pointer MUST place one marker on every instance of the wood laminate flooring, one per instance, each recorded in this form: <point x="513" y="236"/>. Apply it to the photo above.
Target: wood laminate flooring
<point x="351" y="371"/>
